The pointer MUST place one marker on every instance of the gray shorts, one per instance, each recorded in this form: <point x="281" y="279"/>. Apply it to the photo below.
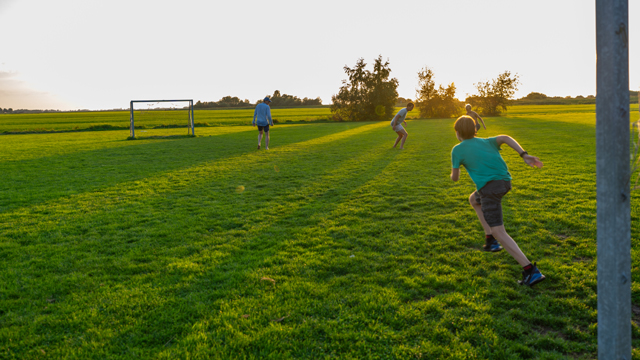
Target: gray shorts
<point x="490" y="199"/>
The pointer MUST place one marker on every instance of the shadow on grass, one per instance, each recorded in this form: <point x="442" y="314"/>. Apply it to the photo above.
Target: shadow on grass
<point x="161" y="137"/>
<point x="121" y="252"/>
<point x="29" y="182"/>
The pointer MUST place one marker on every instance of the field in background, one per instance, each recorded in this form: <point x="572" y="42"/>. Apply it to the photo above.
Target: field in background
<point x="148" y="119"/>
<point x="330" y="245"/>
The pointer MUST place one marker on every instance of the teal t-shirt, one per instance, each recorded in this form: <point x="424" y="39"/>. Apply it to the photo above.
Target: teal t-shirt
<point x="482" y="159"/>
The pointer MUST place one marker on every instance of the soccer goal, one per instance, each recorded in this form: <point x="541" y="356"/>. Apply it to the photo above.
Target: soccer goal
<point x="158" y="114"/>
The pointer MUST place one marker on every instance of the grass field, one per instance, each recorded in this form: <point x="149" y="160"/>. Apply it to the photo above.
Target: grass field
<point x="148" y="119"/>
<point x="330" y="245"/>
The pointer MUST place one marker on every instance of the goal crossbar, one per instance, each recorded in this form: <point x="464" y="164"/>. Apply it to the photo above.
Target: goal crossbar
<point x="190" y="110"/>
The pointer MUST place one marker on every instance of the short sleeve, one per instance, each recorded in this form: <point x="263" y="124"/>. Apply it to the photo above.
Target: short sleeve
<point x="494" y="142"/>
<point x="455" y="159"/>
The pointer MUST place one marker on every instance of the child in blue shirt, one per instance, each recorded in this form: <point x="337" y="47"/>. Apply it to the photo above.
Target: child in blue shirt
<point x="482" y="159"/>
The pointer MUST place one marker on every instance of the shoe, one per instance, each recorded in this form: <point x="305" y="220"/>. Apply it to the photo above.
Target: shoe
<point x="258" y="146"/>
<point x="494" y="246"/>
<point x="531" y="277"/>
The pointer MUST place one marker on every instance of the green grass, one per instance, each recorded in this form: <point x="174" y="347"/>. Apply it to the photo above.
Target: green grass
<point x="115" y="249"/>
<point x="120" y="120"/>
<point x="107" y="120"/>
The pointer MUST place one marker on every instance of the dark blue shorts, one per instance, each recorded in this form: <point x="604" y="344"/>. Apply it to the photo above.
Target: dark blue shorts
<point x="265" y="128"/>
<point x="490" y="199"/>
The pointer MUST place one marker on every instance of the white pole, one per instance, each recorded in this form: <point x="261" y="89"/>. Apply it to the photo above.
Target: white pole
<point x="131" y="128"/>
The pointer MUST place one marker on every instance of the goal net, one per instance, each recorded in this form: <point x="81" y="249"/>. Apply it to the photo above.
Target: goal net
<point x="161" y="117"/>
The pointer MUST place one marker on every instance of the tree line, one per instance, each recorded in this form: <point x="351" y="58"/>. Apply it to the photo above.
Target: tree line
<point x="536" y="98"/>
<point x="372" y="94"/>
<point x="277" y="100"/>
<point x="283" y="100"/>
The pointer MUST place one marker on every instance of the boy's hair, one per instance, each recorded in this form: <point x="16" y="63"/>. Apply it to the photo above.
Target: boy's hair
<point x="410" y="104"/>
<point x="466" y="127"/>
<point x="467" y="107"/>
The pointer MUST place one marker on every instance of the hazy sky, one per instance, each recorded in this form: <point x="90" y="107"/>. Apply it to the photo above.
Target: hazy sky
<point x="90" y="54"/>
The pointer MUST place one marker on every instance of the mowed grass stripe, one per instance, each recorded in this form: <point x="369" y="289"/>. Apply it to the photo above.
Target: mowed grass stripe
<point x="23" y="147"/>
<point x="90" y="170"/>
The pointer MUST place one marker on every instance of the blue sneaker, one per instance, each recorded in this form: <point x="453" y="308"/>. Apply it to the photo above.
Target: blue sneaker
<point x="494" y="246"/>
<point x="531" y="277"/>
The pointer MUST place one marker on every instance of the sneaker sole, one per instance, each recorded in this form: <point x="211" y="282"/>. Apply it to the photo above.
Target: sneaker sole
<point x="500" y="249"/>
<point x="540" y="279"/>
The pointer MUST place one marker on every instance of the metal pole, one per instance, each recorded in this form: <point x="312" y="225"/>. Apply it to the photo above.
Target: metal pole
<point x="133" y="134"/>
<point x="193" y="133"/>
<point x="613" y="180"/>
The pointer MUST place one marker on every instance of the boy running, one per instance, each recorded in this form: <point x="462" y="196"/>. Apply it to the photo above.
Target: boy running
<point x="482" y="159"/>
<point x="474" y="115"/>
<point x="396" y="125"/>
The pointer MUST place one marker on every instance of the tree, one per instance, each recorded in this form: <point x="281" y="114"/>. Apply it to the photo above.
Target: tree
<point x="279" y="100"/>
<point x="432" y="102"/>
<point x="402" y="102"/>
<point x="227" y="101"/>
<point x="316" y="101"/>
<point x="494" y="95"/>
<point x="535" y="96"/>
<point x="366" y="95"/>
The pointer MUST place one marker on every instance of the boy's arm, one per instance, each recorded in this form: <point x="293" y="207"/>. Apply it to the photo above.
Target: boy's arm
<point x="395" y="119"/>
<point x="528" y="159"/>
<point x="482" y="121"/>
<point x="455" y="174"/>
<point x="255" y="113"/>
<point x="269" y="115"/>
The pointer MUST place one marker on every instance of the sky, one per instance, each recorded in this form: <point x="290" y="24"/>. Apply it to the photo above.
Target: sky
<point x="89" y="54"/>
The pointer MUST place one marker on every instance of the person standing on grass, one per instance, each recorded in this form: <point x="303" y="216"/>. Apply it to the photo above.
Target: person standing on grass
<point x="474" y="115"/>
<point x="263" y="115"/>
<point x="396" y="125"/>
<point x="486" y="167"/>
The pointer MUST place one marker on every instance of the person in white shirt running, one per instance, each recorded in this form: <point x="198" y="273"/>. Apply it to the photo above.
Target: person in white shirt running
<point x="396" y="124"/>
<point x="263" y="115"/>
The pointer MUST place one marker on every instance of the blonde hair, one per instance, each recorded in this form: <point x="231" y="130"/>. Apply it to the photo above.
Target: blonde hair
<point x="466" y="127"/>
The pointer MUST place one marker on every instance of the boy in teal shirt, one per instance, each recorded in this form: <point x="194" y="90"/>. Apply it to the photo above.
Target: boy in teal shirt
<point x="482" y="159"/>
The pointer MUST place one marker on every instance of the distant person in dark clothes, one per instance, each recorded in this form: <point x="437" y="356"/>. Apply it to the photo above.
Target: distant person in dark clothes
<point x="263" y="116"/>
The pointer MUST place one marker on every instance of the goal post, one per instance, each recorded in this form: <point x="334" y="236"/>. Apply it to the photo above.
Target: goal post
<point x="190" y="125"/>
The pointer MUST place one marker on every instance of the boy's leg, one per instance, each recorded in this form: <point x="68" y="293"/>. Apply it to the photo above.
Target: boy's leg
<point x="398" y="138"/>
<point x="492" y="194"/>
<point x="473" y="200"/>
<point x="404" y="138"/>
<point x="510" y="245"/>
<point x="266" y="140"/>
<point x="259" y="138"/>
